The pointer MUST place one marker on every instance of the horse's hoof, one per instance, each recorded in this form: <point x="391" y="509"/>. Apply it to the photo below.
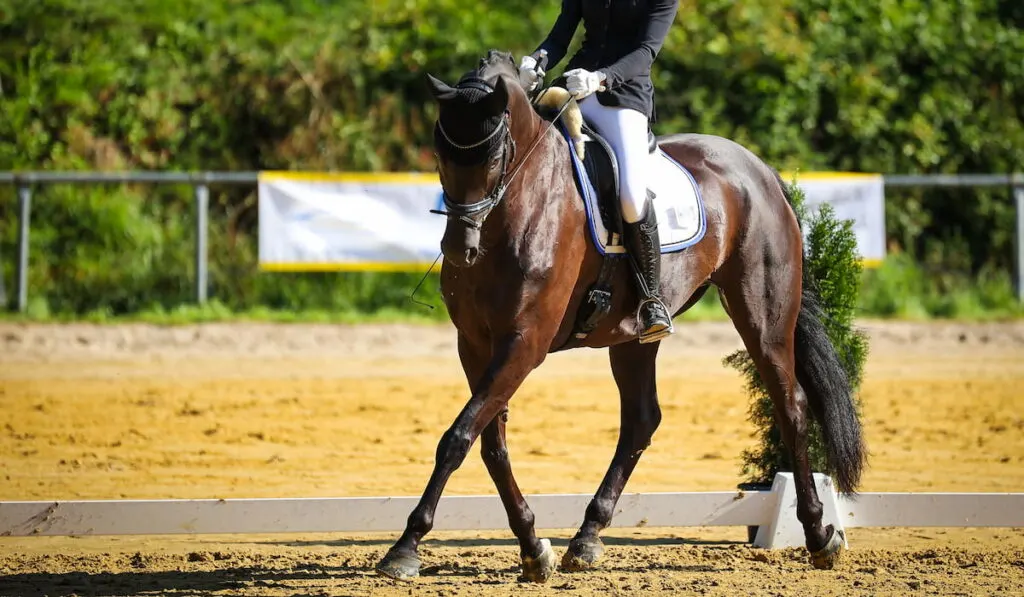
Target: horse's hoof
<point x="827" y="557"/>
<point x="582" y="554"/>
<point x="541" y="568"/>
<point x="399" y="565"/>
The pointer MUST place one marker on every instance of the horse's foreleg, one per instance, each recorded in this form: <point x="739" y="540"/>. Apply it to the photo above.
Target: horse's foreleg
<point x="494" y="452"/>
<point x="537" y="555"/>
<point x="633" y="366"/>
<point x="509" y="366"/>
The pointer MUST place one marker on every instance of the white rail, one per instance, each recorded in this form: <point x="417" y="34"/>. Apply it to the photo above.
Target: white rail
<point x="774" y="511"/>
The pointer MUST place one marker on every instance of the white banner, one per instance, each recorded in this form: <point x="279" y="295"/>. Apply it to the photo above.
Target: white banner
<point x="857" y="197"/>
<point x="382" y="222"/>
<point x="348" y="222"/>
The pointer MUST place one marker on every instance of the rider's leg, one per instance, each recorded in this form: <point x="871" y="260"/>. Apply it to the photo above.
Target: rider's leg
<point x="626" y="131"/>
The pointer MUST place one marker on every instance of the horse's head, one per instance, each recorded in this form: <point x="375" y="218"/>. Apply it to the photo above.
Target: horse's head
<point x="474" y="138"/>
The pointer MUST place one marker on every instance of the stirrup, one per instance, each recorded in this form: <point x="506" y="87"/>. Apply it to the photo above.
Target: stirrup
<point x="646" y="336"/>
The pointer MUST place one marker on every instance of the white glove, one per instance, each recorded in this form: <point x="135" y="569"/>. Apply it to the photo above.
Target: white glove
<point x="580" y="83"/>
<point x="530" y="73"/>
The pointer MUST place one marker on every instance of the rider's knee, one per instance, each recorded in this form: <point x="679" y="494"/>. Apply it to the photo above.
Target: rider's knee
<point x="633" y="197"/>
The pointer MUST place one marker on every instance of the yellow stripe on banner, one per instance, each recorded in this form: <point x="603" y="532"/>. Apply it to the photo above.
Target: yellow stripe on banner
<point x="369" y="266"/>
<point x="801" y="176"/>
<point x="871" y="263"/>
<point x="351" y="177"/>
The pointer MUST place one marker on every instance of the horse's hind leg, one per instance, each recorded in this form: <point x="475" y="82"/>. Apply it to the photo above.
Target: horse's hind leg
<point x="633" y="366"/>
<point x="763" y="299"/>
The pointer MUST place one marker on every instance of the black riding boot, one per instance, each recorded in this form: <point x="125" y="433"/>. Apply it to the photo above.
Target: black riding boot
<point x="644" y="247"/>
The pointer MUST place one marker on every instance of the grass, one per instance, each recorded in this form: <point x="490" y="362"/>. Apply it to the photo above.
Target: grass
<point x="215" y="311"/>
<point x="901" y="289"/>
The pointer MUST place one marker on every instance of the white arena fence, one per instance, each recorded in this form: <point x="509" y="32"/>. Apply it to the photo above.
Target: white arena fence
<point x="774" y="512"/>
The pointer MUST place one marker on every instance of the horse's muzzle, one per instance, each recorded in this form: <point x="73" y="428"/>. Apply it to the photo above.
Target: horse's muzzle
<point x="460" y="245"/>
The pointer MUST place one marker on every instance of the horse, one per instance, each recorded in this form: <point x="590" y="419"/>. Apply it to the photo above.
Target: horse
<point x="518" y="263"/>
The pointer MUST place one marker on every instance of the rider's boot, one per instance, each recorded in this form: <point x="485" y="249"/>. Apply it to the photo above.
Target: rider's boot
<point x="644" y="247"/>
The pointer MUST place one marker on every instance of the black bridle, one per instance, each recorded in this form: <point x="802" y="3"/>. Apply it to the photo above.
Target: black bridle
<point x="467" y="213"/>
<point x="473" y="215"/>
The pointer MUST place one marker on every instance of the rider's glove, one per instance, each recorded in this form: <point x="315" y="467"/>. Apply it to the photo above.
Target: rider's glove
<point x="530" y="74"/>
<point x="581" y="83"/>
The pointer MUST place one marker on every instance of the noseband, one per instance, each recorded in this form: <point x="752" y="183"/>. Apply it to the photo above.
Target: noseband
<point x="473" y="215"/>
<point x="468" y="213"/>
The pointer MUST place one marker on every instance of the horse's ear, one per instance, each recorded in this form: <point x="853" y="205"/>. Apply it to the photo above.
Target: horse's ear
<point x="440" y="89"/>
<point x="498" y="100"/>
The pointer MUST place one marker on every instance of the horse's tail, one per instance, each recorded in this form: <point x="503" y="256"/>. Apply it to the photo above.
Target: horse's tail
<point x="827" y="386"/>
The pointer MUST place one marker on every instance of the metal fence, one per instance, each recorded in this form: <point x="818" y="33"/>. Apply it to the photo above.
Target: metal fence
<point x="201" y="182"/>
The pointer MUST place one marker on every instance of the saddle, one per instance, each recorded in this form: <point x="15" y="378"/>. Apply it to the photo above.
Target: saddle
<point x="596" y="154"/>
<point x="674" y="192"/>
<point x="602" y="168"/>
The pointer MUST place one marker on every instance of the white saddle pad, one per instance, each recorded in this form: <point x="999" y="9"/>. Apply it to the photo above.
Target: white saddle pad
<point x="677" y="204"/>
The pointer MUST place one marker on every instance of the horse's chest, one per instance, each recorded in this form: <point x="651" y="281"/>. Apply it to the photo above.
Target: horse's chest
<point x="466" y="296"/>
<point x="488" y="297"/>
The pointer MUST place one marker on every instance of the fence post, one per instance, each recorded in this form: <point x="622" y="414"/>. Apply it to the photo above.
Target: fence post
<point x="3" y="285"/>
<point x="1018" y="193"/>
<point x="24" y="212"/>
<point x="202" y="209"/>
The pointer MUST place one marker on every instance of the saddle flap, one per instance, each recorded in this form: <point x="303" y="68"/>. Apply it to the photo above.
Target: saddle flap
<point x="603" y="171"/>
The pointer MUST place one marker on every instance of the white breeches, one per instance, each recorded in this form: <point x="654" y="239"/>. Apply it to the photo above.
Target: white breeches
<point x="625" y="130"/>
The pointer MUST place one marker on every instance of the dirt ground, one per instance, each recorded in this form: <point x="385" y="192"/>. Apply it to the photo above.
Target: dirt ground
<point x="248" y="410"/>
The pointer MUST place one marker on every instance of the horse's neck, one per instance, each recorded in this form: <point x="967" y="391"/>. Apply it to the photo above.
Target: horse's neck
<point x="532" y="210"/>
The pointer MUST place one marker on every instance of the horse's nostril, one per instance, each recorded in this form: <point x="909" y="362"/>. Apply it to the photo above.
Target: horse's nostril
<point x="471" y="255"/>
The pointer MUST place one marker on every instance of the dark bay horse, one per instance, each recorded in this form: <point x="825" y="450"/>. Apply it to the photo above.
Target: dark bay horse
<point x="518" y="262"/>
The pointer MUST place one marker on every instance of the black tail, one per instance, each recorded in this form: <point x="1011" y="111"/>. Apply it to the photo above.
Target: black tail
<point x="828" y="388"/>
<point x="828" y="391"/>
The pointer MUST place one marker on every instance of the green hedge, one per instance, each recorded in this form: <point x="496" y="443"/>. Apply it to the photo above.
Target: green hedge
<point x="889" y="85"/>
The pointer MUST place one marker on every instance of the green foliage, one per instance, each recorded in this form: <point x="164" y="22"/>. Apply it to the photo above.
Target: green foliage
<point x="833" y="271"/>
<point x="887" y="85"/>
<point x="216" y="311"/>
<point x="903" y="289"/>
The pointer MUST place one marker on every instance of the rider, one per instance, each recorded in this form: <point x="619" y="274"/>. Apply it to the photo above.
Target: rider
<point x="611" y="78"/>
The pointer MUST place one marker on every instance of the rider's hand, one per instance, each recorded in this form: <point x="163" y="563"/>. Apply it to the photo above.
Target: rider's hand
<point x="530" y="74"/>
<point x="581" y="83"/>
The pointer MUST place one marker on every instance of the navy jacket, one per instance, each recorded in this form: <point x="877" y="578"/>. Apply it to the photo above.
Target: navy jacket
<point x="622" y="39"/>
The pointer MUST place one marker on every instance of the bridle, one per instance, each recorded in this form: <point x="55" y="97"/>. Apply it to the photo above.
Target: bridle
<point x="473" y="215"/>
<point x="468" y="213"/>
